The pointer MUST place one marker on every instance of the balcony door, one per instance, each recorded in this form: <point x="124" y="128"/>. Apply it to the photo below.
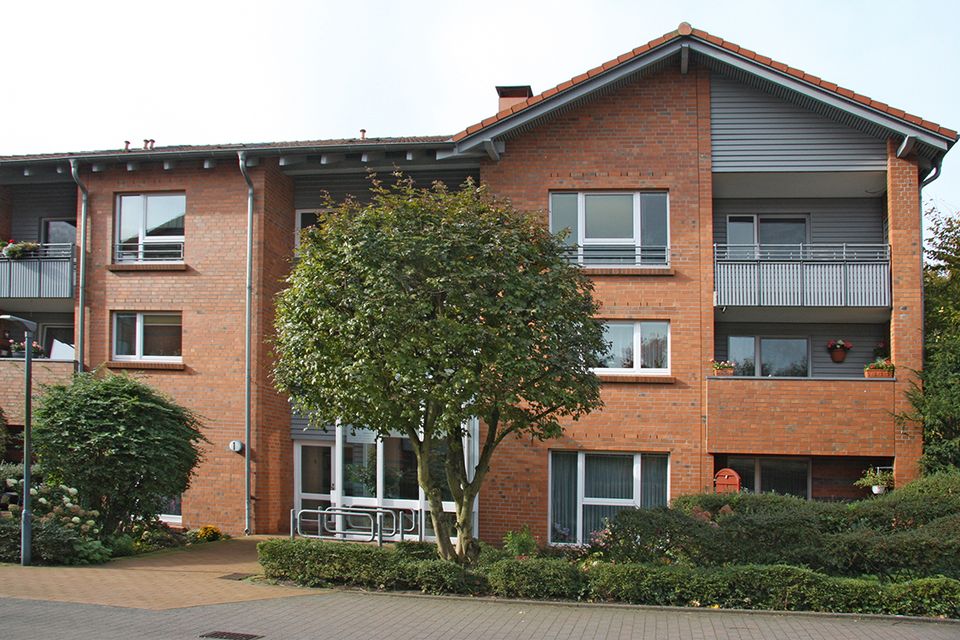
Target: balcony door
<point x="767" y="237"/>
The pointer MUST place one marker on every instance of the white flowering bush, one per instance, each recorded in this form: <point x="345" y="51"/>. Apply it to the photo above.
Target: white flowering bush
<point x="63" y="531"/>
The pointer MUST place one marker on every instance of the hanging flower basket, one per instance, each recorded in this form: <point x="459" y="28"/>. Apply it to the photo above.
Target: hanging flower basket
<point x="838" y="349"/>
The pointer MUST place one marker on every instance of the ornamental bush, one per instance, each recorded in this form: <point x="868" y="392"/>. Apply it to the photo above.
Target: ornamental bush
<point x="123" y="445"/>
<point x="535" y="578"/>
<point x="63" y="531"/>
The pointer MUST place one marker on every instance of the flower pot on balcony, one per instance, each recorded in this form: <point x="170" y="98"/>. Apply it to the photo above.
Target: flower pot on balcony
<point x="838" y="355"/>
<point x="723" y="373"/>
<point x="877" y="373"/>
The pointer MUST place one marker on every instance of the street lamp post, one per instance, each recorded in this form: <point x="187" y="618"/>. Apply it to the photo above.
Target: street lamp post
<point x="29" y="331"/>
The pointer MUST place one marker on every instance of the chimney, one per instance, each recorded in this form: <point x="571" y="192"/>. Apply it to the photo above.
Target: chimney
<point x="363" y="134"/>
<point x="510" y="96"/>
<point x="146" y="144"/>
<point x="152" y="141"/>
<point x="126" y="145"/>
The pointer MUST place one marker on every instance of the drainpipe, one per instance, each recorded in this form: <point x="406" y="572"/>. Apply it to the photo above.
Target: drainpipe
<point x="247" y="396"/>
<point x="936" y="175"/>
<point x="82" y="302"/>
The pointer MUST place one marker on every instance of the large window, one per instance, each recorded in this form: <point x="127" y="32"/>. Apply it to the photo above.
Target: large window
<point x="788" y="476"/>
<point x="147" y="336"/>
<point x="305" y="220"/>
<point x="772" y="357"/>
<point x="766" y="237"/>
<point x="613" y="228"/>
<point x="150" y="227"/>
<point x="637" y="347"/>
<point x="587" y="489"/>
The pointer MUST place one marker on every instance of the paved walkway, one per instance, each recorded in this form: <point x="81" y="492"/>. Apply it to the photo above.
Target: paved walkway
<point x="165" y="580"/>
<point x="182" y="594"/>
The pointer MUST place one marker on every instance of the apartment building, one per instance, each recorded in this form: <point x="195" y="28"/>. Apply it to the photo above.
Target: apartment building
<point x="727" y="206"/>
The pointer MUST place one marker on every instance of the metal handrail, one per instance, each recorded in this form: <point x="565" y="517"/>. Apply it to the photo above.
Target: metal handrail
<point x="618" y="255"/>
<point x="842" y="252"/>
<point x="161" y="251"/>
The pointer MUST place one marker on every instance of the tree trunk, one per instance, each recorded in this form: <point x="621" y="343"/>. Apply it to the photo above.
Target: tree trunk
<point x="435" y="499"/>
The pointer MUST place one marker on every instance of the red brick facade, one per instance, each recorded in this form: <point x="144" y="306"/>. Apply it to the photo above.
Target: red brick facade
<point x="651" y="133"/>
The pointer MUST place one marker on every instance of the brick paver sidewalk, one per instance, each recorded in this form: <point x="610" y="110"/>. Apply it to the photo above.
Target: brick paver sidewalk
<point x="167" y="580"/>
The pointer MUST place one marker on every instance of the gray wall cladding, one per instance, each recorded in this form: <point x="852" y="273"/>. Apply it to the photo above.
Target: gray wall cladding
<point x="300" y="429"/>
<point x="832" y="220"/>
<point x="308" y="191"/>
<point x="754" y="131"/>
<point x="31" y="203"/>
<point x="863" y="336"/>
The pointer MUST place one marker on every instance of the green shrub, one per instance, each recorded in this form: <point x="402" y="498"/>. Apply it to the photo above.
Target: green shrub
<point x="535" y="578"/>
<point x="776" y="587"/>
<point x="490" y="554"/>
<point x="658" y="535"/>
<point x="438" y="577"/>
<point x="915" y="504"/>
<point x="123" y="445"/>
<point x="14" y="471"/>
<point x="63" y="531"/>
<point x="416" y="550"/>
<point x="520" y="543"/>
<point x="313" y="563"/>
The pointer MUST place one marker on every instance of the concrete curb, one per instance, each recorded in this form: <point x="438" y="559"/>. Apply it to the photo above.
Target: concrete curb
<point x="647" y="607"/>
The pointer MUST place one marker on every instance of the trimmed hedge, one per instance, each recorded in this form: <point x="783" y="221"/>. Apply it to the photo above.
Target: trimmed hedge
<point x="769" y="587"/>
<point x="777" y="587"/>
<point x="912" y="532"/>
<point x="536" y="578"/>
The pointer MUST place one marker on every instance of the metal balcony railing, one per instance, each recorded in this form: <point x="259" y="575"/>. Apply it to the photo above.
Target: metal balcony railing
<point x="619" y="255"/>
<point x="45" y="272"/>
<point x="808" y="275"/>
<point x="126" y="252"/>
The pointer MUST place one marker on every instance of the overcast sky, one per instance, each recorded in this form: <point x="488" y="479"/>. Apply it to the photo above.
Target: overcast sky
<point x="89" y="75"/>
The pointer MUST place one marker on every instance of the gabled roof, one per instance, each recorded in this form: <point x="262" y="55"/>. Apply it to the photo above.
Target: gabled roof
<point x="722" y="54"/>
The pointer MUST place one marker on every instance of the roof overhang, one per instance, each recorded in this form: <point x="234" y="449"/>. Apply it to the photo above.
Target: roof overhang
<point x="875" y="122"/>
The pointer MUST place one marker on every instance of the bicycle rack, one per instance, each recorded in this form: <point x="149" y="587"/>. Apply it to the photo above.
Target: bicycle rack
<point x="373" y="515"/>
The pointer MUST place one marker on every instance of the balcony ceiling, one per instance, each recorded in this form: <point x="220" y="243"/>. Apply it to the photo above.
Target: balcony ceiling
<point x="847" y="184"/>
<point x="865" y="315"/>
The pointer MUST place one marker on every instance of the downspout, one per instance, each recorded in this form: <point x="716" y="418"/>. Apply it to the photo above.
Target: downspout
<point x="82" y="278"/>
<point x="937" y="165"/>
<point x="247" y="394"/>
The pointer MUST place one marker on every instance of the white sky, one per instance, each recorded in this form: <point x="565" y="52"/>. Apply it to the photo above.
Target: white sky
<point x="88" y="75"/>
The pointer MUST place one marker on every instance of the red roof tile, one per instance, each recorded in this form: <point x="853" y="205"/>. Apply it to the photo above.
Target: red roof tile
<point x="684" y="30"/>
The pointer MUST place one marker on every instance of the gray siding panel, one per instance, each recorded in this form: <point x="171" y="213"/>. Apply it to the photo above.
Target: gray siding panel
<point x="300" y="429"/>
<point x="309" y="191"/>
<point x="755" y="131"/>
<point x="863" y="336"/>
<point x="832" y="220"/>
<point x="31" y="203"/>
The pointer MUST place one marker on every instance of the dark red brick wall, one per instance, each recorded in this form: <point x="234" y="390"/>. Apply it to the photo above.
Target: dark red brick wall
<point x="650" y="134"/>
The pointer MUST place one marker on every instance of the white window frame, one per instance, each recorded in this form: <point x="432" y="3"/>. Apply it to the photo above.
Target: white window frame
<point x="142" y="238"/>
<point x="139" y="357"/>
<point x="298" y="223"/>
<point x="583" y="500"/>
<point x="636" y="370"/>
<point x="758" y="354"/>
<point x="636" y="241"/>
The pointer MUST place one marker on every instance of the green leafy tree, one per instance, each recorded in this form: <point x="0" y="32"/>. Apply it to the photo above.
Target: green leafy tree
<point x="123" y="445"/>
<point x="941" y="278"/>
<point x="935" y="398"/>
<point x="427" y="308"/>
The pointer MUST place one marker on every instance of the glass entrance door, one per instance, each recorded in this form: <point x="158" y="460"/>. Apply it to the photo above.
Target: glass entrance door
<point x="313" y="480"/>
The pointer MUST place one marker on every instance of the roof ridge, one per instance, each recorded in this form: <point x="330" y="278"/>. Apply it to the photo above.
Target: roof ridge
<point x="685" y="30"/>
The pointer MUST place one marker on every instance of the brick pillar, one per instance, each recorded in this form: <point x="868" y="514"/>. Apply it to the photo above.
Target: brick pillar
<point x="904" y="219"/>
<point x="705" y="195"/>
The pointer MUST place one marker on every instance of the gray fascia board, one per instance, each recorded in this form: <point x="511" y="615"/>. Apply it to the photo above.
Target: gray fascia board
<point x="812" y="91"/>
<point x="222" y="153"/>
<point x="566" y="97"/>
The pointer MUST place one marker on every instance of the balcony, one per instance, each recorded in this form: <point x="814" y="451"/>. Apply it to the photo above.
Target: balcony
<point x="801" y="416"/>
<point x="11" y="382"/>
<point x="802" y="275"/>
<point x="45" y="272"/>
<point x="618" y="255"/>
